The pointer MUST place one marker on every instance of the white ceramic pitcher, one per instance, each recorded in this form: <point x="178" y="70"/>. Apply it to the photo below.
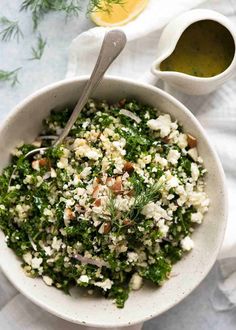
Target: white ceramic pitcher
<point x="181" y="81"/>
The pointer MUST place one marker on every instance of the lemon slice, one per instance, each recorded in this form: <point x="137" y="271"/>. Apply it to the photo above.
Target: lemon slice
<point x="118" y="14"/>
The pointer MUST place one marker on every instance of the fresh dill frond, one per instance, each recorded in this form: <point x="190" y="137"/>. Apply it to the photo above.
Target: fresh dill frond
<point x="143" y="195"/>
<point x="39" y="8"/>
<point x="111" y="206"/>
<point x="11" y="76"/>
<point x="103" y="5"/>
<point x="37" y="51"/>
<point x="11" y="29"/>
<point x="71" y="8"/>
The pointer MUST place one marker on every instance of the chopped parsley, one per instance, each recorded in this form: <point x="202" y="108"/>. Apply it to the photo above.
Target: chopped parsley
<point x="113" y="206"/>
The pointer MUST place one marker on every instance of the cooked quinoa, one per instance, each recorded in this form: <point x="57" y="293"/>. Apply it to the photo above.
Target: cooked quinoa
<point x="114" y="205"/>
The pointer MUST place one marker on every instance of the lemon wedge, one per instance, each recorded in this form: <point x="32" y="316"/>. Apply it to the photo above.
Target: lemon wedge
<point x="118" y="14"/>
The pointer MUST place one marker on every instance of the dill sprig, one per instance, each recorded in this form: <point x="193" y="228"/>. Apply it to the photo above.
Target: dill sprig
<point x="106" y="5"/>
<point x="111" y="206"/>
<point x="10" y="30"/>
<point x="39" y="8"/>
<point x="37" y="52"/>
<point x="11" y="76"/>
<point x="143" y="195"/>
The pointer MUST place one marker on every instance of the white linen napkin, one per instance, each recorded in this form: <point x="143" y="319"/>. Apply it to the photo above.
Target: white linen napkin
<point x="216" y="112"/>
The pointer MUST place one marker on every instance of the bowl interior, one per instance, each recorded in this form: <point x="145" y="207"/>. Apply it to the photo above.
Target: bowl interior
<point x="24" y="124"/>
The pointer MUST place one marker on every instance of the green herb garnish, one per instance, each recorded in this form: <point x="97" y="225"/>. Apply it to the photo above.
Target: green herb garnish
<point x="11" y="76"/>
<point x="37" y="52"/>
<point x="11" y="29"/>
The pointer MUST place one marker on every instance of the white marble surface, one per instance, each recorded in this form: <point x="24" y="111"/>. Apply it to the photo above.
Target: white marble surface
<point x="196" y="311"/>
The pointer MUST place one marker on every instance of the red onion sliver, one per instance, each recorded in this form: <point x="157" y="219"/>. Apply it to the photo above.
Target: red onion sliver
<point x="131" y="115"/>
<point x="90" y="261"/>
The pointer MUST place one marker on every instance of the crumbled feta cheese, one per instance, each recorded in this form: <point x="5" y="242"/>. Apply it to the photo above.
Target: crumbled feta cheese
<point x="144" y="160"/>
<point x="47" y="280"/>
<point x="63" y="163"/>
<point x="56" y="243"/>
<point x="16" y="152"/>
<point x="28" y="179"/>
<point x="194" y="171"/>
<point x="27" y="257"/>
<point x="173" y="156"/>
<point x="53" y="173"/>
<point x="105" y="285"/>
<point x="155" y="211"/>
<point x="197" y="217"/>
<point x="182" y="141"/>
<point x="136" y="282"/>
<point x="93" y="154"/>
<point x="48" y="250"/>
<point x="48" y="212"/>
<point x="80" y="191"/>
<point x="86" y="172"/>
<point x="163" y="227"/>
<point x="187" y="243"/>
<point x="160" y="160"/>
<point x="132" y="257"/>
<point x="162" y="124"/>
<point x="83" y="279"/>
<point x="36" y="262"/>
<point x="119" y="145"/>
<point x="22" y="210"/>
<point x="122" y="204"/>
<point x="2" y="207"/>
<point x="199" y="200"/>
<point x="172" y="182"/>
<point x="119" y="164"/>
<point x="39" y="180"/>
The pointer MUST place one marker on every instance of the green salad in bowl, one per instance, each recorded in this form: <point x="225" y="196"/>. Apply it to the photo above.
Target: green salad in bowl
<point x="112" y="206"/>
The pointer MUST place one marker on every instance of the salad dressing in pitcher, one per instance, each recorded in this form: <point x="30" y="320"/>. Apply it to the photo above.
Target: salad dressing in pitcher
<point x="205" y="49"/>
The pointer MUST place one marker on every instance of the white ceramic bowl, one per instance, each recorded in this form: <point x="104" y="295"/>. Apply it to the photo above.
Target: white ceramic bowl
<point x="24" y="123"/>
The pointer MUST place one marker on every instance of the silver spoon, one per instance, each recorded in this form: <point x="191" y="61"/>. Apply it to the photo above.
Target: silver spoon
<point x="113" y="43"/>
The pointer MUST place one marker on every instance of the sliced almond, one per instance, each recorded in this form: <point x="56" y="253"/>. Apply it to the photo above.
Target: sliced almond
<point x="117" y="186"/>
<point x="69" y="214"/>
<point x="98" y="202"/>
<point x="166" y="139"/>
<point x="105" y="228"/>
<point x="128" y="193"/>
<point x="192" y="141"/>
<point x="193" y="154"/>
<point x="96" y="191"/>
<point x="128" y="167"/>
<point x="127" y="222"/>
<point x="35" y="165"/>
<point x="79" y="208"/>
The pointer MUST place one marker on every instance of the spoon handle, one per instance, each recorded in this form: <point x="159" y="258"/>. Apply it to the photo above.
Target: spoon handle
<point x="113" y="43"/>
